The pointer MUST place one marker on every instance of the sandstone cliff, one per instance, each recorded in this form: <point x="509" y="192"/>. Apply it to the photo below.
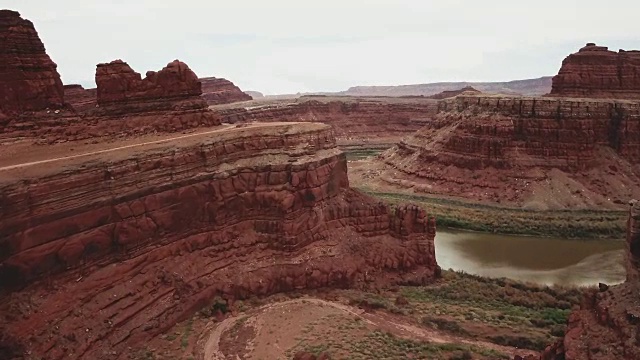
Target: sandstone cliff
<point x="539" y="152"/>
<point x="596" y="72"/>
<point x="358" y="122"/>
<point x="28" y="78"/>
<point x="222" y="91"/>
<point x="606" y="325"/>
<point x="131" y="240"/>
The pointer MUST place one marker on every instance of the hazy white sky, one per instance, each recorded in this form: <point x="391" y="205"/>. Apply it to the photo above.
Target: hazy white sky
<point x="286" y="46"/>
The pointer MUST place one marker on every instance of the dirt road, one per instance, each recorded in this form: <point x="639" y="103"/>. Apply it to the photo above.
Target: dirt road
<point x="212" y="349"/>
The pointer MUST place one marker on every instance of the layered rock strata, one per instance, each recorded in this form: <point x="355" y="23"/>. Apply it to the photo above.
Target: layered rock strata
<point x="125" y="104"/>
<point x="106" y="250"/>
<point x="369" y="123"/>
<point x="524" y="149"/>
<point x="81" y="99"/>
<point x="222" y="91"/>
<point x="28" y="78"/>
<point x="596" y="72"/>
<point x="607" y="325"/>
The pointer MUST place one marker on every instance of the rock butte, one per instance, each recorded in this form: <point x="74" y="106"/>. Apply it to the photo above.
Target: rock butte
<point x="222" y="91"/>
<point x="594" y="71"/>
<point x="28" y="78"/>
<point x="215" y="91"/>
<point x="123" y="103"/>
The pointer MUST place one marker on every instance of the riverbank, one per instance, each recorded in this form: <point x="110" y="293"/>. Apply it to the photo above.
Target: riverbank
<point x="573" y="224"/>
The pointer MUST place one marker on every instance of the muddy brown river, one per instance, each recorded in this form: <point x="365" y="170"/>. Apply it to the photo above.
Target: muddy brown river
<point x="533" y="259"/>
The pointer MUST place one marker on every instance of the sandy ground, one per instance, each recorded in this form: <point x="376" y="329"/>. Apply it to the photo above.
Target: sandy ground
<point x="278" y="330"/>
<point x="25" y="159"/>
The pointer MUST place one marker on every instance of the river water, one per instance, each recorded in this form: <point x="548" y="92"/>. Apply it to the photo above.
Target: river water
<point x="538" y="260"/>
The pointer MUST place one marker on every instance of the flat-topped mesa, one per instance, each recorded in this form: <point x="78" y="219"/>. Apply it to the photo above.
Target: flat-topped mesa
<point x="526" y="143"/>
<point x="467" y="90"/>
<point x="29" y="80"/>
<point x="222" y="91"/>
<point x="118" y="83"/>
<point x="596" y="72"/>
<point x="129" y="237"/>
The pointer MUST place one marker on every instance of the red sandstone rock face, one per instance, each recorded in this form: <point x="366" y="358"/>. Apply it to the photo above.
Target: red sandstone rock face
<point x="523" y="146"/>
<point x="607" y="325"/>
<point x="134" y="244"/>
<point x="118" y="83"/>
<point x="596" y="72"/>
<point x="81" y="99"/>
<point x="166" y="101"/>
<point x="28" y="78"/>
<point x="357" y="122"/>
<point x="221" y="91"/>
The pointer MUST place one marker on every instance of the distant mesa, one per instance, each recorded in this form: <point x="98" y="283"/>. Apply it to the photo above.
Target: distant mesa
<point x="255" y="94"/>
<point x="467" y="90"/>
<point x="218" y="91"/>
<point x="596" y="72"/>
<point x="527" y="87"/>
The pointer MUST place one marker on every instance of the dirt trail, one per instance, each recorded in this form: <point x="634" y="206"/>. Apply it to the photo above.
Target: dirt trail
<point x="45" y="153"/>
<point x="212" y="345"/>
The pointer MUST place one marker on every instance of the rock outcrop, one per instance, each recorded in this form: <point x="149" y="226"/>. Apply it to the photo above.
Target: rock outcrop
<point x="467" y="90"/>
<point x="125" y="104"/>
<point x="358" y="122"/>
<point x="105" y="250"/>
<point x="32" y="101"/>
<point x="29" y="80"/>
<point x="607" y="325"/>
<point x="222" y="91"/>
<point x="539" y="151"/>
<point x="596" y="72"/>
<point x="81" y="99"/>
<point x="118" y="84"/>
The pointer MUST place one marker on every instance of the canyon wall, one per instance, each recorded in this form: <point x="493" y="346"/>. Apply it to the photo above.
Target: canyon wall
<point x="596" y="72"/>
<point x="28" y="78"/>
<point x="368" y="123"/>
<point x="518" y="143"/>
<point x="606" y="326"/>
<point x="131" y="241"/>
<point x="222" y="91"/>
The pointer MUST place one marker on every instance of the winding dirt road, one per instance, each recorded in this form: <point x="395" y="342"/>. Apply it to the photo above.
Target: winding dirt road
<point x="212" y="346"/>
